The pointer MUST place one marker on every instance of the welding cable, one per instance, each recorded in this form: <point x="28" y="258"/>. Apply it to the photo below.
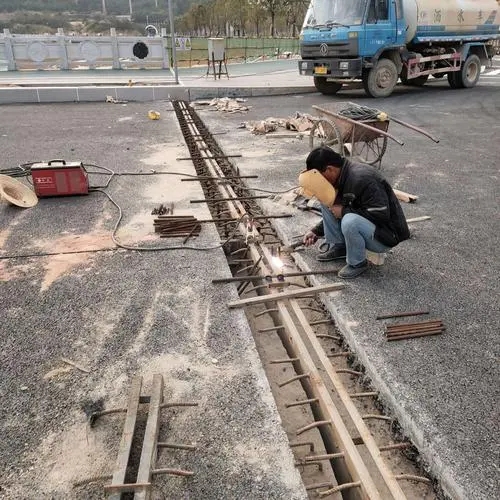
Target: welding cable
<point x="157" y="249"/>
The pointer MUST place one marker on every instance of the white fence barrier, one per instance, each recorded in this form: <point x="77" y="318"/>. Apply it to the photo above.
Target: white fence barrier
<point x="83" y="52"/>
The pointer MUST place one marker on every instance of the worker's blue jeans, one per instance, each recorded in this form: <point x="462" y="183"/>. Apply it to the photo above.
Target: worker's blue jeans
<point x="353" y="231"/>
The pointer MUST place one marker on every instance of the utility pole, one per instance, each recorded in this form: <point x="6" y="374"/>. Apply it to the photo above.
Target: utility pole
<point x="104" y="11"/>
<point x="172" y="33"/>
<point x="130" y="5"/>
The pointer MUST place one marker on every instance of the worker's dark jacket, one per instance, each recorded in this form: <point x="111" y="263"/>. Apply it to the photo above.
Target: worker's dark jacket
<point x="363" y="191"/>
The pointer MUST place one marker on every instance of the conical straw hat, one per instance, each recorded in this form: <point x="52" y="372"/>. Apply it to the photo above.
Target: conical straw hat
<point x="16" y="192"/>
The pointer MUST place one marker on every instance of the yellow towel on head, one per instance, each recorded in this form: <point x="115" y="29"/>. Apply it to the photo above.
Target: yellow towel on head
<point x="314" y="184"/>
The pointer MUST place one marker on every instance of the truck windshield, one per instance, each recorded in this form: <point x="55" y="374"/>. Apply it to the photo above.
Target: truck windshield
<point x="328" y="13"/>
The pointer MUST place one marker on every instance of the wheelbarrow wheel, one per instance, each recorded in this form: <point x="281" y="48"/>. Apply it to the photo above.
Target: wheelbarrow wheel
<point x="370" y="152"/>
<point x="325" y="133"/>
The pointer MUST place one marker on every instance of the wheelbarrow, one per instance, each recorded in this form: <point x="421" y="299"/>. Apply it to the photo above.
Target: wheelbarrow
<point x="356" y="131"/>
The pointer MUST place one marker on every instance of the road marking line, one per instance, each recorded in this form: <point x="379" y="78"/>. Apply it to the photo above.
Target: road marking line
<point x="493" y="73"/>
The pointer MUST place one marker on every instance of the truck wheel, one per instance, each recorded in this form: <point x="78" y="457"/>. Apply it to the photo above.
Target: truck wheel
<point x="326" y="88"/>
<point x="471" y="71"/>
<point x="380" y="80"/>
<point x="454" y="80"/>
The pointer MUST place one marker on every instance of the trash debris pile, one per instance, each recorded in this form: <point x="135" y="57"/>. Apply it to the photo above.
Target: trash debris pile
<point x="300" y="123"/>
<point x="224" y="104"/>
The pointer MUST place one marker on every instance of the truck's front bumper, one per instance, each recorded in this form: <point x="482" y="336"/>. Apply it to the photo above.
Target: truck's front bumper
<point x="331" y="68"/>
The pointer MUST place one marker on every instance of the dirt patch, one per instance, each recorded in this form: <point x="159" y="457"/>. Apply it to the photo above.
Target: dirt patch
<point x="56" y="266"/>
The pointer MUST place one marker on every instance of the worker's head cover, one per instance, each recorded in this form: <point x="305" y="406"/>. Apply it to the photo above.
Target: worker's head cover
<point x="314" y="184"/>
<point x="322" y="157"/>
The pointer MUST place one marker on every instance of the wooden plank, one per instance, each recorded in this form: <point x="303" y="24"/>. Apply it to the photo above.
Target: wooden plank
<point x="405" y="197"/>
<point x="391" y="483"/>
<point x="418" y="219"/>
<point x="127" y="437"/>
<point x="355" y="464"/>
<point x="149" y="446"/>
<point x="286" y="295"/>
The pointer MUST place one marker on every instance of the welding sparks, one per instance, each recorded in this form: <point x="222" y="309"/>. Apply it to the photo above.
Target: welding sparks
<point x="277" y="263"/>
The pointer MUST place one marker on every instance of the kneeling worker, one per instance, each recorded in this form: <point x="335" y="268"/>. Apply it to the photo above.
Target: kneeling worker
<point x="360" y="210"/>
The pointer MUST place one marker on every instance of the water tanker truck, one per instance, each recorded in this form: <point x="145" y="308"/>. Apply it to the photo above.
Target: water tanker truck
<point x="381" y="41"/>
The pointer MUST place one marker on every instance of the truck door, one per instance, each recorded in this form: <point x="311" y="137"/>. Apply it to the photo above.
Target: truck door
<point x="380" y="27"/>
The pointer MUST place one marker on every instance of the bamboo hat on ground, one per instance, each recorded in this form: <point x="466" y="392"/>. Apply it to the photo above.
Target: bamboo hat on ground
<point x="16" y="192"/>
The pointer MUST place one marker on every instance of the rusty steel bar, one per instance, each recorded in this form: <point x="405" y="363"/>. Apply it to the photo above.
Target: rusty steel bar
<point x="319" y="485"/>
<point x="219" y="157"/>
<point x="374" y="416"/>
<point x="411" y="477"/>
<point x="324" y="336"/>
<point x="208" y="178"/>
<point x="176" y="446"/>
<point x="301" y="403"/>
<point x="340" y="487"/>
<point x="282" y="361"/>
<point x="293" y="379"/>
<point x="308" y="427"/>
<point x="418" y="323"/>
<point x="424" y="328"/>
<point x="270" y="329"/>
<point x="237" y="198"/>
<point x="284" y="275"/>
<point x="242" y="287"/>
<point x="195" y="228"/>
<point x="267" y="311"/>
<point x="327" y="456"/>
<point x="339" y="354"/>
<point x="321" y="322"/>
<point x="350" y="372"/>
<point x="363" y="394"/>
<point x="415" y="335"/>
<point x="415" y="330"/>
<point x="395" y="446"/>
<point x="175" y="405"/>
<point x="172" y="472"/>
<point x="401" y="315"/>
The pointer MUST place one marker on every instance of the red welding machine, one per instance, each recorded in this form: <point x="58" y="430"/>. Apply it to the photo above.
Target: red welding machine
<point x="59" y="178"/>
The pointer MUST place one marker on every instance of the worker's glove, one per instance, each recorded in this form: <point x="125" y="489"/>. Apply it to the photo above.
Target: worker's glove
<point x="314" y="184"/>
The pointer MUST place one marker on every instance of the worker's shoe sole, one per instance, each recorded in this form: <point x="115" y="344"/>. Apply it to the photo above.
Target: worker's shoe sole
<point x="349" y="272"/>
<point x="334" y="253"/>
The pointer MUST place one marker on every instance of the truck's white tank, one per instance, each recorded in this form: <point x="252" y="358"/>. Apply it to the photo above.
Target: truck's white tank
<point x="441" y="17"/>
